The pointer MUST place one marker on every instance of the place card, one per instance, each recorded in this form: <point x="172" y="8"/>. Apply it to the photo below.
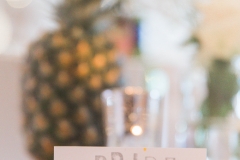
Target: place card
<point x="125" y="153"/>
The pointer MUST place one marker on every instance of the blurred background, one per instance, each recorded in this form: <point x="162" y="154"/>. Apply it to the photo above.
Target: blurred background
<point x="185" y="53"/>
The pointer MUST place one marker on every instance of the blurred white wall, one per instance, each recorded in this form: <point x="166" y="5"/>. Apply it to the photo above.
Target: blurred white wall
<point x="18" y="28"/>
<point x="12" y="145"/>
<point x="21" y="26"/>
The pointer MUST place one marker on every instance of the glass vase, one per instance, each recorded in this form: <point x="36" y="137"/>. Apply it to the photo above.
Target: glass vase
<point x="217" y="128"/>
<point x="131" y="116"/>
<point x="220" y="136"/>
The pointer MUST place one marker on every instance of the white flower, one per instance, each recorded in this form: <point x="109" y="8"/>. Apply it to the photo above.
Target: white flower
<point x="219" y="32"/>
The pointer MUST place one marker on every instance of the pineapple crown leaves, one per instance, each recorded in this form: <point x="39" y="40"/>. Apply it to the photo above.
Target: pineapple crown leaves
<point x="86" y="13"/>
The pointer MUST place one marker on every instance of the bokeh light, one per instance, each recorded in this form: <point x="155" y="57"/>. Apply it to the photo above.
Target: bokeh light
<point x="136" y="130"/>
<point x="5" y="31"/>
<point x="19" y="3"/>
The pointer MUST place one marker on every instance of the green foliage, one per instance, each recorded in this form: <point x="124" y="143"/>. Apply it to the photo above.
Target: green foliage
<point x="222" y="86"/>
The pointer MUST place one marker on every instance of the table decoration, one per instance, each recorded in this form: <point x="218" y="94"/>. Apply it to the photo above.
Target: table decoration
<point x="219" y="39"/>
<point x="132" y="117"/>
<point x="127" y="153"/>
<point x="64" y="73"/>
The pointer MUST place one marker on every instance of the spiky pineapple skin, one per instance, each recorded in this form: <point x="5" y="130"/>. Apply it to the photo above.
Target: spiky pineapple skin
<point x="64" y="75"/>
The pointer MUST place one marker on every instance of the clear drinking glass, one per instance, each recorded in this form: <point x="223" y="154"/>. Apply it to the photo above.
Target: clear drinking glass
<point x="131" y="117"/>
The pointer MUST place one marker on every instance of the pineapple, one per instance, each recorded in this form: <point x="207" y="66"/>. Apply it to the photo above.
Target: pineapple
<point x="64" y="73"/>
